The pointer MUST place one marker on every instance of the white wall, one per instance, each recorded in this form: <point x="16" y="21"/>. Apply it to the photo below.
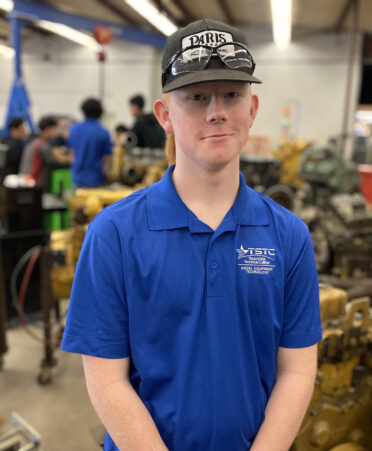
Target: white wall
<point x="310" y="75"/>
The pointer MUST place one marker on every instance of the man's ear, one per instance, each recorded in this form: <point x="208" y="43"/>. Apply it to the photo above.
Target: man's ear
<point x="161" y="111"/>
<point x="253" y="109"/>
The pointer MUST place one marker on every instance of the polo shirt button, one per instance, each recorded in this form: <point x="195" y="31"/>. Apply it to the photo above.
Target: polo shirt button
<point x="214" y="264"/>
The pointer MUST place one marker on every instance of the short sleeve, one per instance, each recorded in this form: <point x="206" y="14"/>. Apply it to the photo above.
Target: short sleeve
<point x="97" y="319"/>
<point x="301" y="322"/>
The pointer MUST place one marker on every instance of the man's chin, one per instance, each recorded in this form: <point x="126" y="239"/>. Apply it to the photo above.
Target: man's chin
<point x="220" y="164"/>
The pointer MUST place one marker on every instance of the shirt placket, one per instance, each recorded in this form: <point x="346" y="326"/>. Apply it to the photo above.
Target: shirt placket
<point x="215" y="261"/>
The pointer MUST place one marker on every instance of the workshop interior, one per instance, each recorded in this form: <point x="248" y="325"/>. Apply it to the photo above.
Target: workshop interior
<point x="310" y="150"/>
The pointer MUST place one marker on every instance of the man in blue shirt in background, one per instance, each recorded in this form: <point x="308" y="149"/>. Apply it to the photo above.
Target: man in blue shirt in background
<point x="91" y="146"/>
<point x="195" y="302"/>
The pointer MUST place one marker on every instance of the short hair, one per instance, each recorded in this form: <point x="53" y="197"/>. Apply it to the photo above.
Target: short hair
<point x="92" y="108"/>
<point x="15" y="122"/>
<point x="121" y="128"/>
<point x="46" y="122"/>
<point x="137" y="100"/>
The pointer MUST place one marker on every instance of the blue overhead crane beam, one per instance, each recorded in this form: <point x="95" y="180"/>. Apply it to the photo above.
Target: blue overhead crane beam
<point x="32" y="11"/>
<point x="19" y="103"/>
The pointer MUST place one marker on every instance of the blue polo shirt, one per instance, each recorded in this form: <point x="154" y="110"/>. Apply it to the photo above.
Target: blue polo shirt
<point x="201" y="313"/>
<point x="90" y="142"/>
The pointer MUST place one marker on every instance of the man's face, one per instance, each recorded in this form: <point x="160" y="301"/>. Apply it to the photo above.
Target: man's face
<point x="50" y="132"/>
<point x="135" y="110"/>
<point x="210" y="121"/>
<point x="18" y="132"/>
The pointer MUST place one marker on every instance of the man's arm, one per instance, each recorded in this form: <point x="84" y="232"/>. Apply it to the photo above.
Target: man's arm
<point x="290" y="397"/>
<point x="61" y="156"/>
<point x="121" y="410"/>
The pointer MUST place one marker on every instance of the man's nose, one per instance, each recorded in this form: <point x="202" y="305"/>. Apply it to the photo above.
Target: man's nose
<point x="216" y="110"/>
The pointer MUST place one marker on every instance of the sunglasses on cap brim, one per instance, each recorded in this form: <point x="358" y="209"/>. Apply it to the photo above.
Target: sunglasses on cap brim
<point x="196" y="57"/>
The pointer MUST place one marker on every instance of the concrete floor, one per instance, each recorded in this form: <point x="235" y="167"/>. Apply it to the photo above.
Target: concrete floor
<point x="61" y="411"/>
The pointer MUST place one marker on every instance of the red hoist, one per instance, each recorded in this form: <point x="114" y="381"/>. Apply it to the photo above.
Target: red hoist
<point x="103" y="36"/>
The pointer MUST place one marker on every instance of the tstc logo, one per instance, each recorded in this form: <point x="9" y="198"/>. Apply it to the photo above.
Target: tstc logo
<point x="256" y="260"/>
<point x="255" y="252"/>
<point x="211" y="38"/>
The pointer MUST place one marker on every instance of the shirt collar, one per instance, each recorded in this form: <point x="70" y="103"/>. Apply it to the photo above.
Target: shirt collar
<point x="166" y="210"/>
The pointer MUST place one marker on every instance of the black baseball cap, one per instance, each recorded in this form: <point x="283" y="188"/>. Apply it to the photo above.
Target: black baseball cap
<point x="203" y="32"/>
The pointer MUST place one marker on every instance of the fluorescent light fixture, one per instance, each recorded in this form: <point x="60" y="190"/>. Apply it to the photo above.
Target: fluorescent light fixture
<point x="281" y="11"/>
<point x="147" y="10"/>
<point x="69" y="33"/>
<point x="6" y="51"/>
<point x="6" y="4"/>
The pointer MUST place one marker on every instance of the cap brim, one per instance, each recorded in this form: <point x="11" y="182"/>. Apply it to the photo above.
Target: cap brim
<point x="192" y="78"/>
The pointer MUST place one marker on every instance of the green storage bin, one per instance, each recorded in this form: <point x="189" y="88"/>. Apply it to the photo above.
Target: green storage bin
<point x="60" y="182"/>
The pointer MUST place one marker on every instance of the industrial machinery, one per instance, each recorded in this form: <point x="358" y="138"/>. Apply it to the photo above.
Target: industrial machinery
<point x="341" y="229"/>
<point x="327" y="172"/>
<point x="339" y="417"/>
<point x="276" y="177"/>
<point x="122" y="144"/>
<point x="133" y="165"/>
<point x="289" y="154"/>
<point x="339" y="219"/>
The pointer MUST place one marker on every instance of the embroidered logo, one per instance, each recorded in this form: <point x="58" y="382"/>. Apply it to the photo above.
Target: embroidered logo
<point x="256" y="260"/>
<point x="211" y="38"/>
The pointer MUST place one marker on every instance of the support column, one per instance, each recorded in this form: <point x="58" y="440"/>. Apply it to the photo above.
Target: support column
<point x="353" y="35"/>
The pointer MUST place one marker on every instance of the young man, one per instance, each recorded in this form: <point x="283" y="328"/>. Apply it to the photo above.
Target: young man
<point x="14" y="143"/>
<point x="41" y="151"/>
<point x="146" y="127"/>
<point x="195" y="301"/>
<point x="91" y="146"/>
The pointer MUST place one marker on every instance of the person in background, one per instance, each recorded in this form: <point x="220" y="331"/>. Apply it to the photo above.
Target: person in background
<point x="63" y="129"/>
<point x="44" y="154"/>
<point x="41" y="150"/>
<point x="120" y="130"/>
<point x="91" y="146"/>
<point x="14" y="144"/>
<point x="146" y="127"/>
<point x="26" y="160"/>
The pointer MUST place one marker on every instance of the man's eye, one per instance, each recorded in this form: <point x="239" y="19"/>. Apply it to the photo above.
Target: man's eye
<point x="232" y="95"/>
<point x="197" y="97"/>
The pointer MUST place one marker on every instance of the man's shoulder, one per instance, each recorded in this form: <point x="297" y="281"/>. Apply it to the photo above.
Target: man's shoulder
<point x="102" y="131"/>
<point x="279" y="215"/>
<point x="125" y="214"/>
<point x="75" y="126"/>
<point x="37" y="143"/>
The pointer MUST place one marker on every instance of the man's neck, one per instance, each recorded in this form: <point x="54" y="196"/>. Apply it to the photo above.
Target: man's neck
<point x="208" y="194"/>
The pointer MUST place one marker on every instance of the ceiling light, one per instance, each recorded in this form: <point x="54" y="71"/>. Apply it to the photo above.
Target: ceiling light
<point x="147" y="10"/>
<point x="6" y="51"/>
<point x="69" y="33"/>
<point x="6" y="4"/>
<point x="281" y="11"/>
